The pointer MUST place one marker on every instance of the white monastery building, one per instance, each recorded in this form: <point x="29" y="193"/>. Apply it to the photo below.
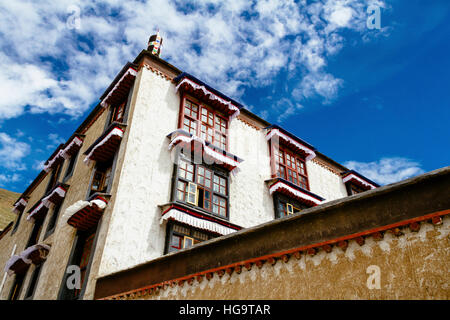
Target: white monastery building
<point x="162" y="163"/>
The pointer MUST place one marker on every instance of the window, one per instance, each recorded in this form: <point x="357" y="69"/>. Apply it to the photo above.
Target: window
<point x="203" y="187"/>
<point x="118" y="113"/>
<point x="202" y="121"/>
<point x="33" y="282"/>
<point x="53" y="178"/>
<point x="182" y="236"/>
<point x="292" y="168"/>
<point x="286" y="206"/>
<point x="71" y="165"/>
<point x="101" y="178"/>
<point x="19" y="216"/>
<point x="17" y="286"/>
<point x="353" y="189"/>
<point x="35" y="232"/>
<point x="52" y="222"/>
<point x="81" y="256"/>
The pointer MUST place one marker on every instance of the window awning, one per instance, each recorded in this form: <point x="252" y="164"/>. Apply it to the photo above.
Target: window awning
<point x="16" y="265"/>
<point x="292" y="143"/>
<point x="56" y="195"/>
<point x="198" y="220"/>
<point x="19" y="263"/>
<point x="72" y="147"/>
<point x="19" y="206"/>
<point x="38" y="211"/>
<point x="83" y="215"/>
<point x="120" y="90"/>
<point x="203" y="92"/>
<point x="54" y="159"/>
<point x="63" y="152"/>
<point x="35" y="254"/>
<point x="209" y="153"/>
<point x="104" y="148"/>
<point x="296" y="192"/>
<point x="359" y="180"/>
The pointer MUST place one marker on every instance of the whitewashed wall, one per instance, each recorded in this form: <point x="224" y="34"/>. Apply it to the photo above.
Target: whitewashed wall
<point x="325" y="183"/>
<point x="250" y="201"/>
<point x="135" y="234"/>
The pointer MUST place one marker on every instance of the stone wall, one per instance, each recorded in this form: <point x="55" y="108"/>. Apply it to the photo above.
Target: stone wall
<point x="324" y="252"/>
<point x="61" y="240"/>
<point x="412" y="266"/>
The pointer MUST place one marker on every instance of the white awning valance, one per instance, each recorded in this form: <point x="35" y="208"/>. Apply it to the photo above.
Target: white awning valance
<point x="309" y="152"/>
<point x="278" y="186"/>
<point x="115" y="134"/>
<point x="196" y="222"/>
<point x="20" y="205"/>
<point x="355" y="177"/>
<point x="123" y="82"/>
<point x="57" y="193"/>
<point x="233" y="110"/>
<point x="217" y="156"/>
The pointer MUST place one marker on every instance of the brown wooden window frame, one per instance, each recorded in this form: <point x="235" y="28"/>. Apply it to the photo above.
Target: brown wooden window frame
<point x="184" y="233"/>
<point x="283" y="204"/>
<point x="283" y="157"/>
<point x="187" y="194"/>
<point x="102" y="174"/>
<point x="118" y="112"/>
<point x="204" y="122"/>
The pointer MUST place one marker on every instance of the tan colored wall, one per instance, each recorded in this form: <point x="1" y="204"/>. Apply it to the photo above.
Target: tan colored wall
<point x="61" y="240"/>
<point x="413" y="266"/>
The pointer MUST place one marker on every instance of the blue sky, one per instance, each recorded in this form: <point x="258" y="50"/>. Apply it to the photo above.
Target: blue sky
<point x="375" y="100"/>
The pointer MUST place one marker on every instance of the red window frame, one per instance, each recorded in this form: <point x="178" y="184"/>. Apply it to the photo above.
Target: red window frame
<point x="203" y="121"/>
<point x="291" y="167"/>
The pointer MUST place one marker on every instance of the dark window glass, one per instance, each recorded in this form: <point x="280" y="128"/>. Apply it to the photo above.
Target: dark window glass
<point x="33" y="282"/>
<point x="71" y="165"/>
<point x="292" y="168"/>
<point x="184" y="237"/>
<point x="209" y="192"/>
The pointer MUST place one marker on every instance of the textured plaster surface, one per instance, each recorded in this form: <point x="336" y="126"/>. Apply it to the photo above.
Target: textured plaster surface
<point x="135" y="234"/>
<point x="413" y="266"/>
<point x="62" y="238"/>
<point x="325" y="183"/>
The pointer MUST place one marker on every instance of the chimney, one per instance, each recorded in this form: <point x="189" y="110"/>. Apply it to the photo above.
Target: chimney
<point x="154" y="44"/>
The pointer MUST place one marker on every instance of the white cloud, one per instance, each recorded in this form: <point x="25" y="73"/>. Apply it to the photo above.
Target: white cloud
<point x="235" y="45"/>
<point x="38" y="165"/>
<point x="12" y="152"/>
<point x="6" y="179"/>
<point x="387" y="170"/>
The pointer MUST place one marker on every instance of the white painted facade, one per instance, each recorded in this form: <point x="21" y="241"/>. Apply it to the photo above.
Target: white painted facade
<point x="135" y="234"/>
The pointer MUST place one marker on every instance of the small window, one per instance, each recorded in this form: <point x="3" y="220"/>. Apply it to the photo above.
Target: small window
<point x="289" y="209"/>
<point x="71" y="165"/>
<point x="188" y="242"/>
<point x="19" y="216"/>
<point x="17" y="286"/>
<point x="53" y="178"/>
<point x="33" y="282"/>
<point x="101" y="178"/>
<point x="192" y="194"/>
<point x="54" y="217"/>
<point x="182" y="236"/>
<point x="35" y="233"/>
<point x="118" y="113"/>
